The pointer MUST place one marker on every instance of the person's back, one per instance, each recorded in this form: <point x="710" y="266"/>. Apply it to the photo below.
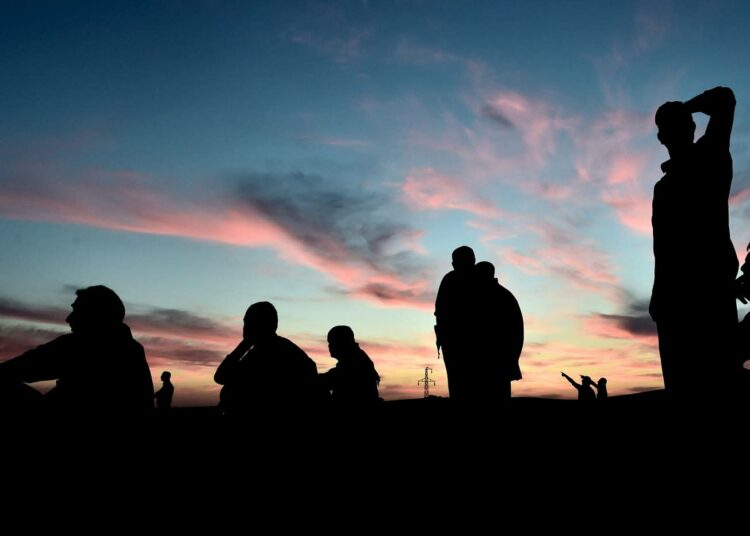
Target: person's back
<point x="499" y="322"/>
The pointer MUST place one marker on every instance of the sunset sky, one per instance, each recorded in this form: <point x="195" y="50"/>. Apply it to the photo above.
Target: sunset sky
<point x="199" y="156"/>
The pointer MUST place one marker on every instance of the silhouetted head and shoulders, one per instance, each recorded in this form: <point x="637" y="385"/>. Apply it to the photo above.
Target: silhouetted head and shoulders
<point x="690" y="159"/>
<point x="454" y="283"/>
<point x="265" y="368"/>
<point x="601" y="389"/>
<point x="354" y="378"/>
<point x="99" y="366"/>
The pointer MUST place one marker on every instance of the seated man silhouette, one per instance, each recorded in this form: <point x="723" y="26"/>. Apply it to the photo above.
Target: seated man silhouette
<point x="99" y="346"/>
<point x="454" y="327"/>
<point x="164" y="395"/>
<point x="267" y="375"/>
<point x="498" y="335"/>
<point x="353" y="382"/>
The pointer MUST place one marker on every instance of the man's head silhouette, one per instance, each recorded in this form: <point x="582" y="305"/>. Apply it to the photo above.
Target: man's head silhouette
<point x="463" y="258"/>
<point x="676" y="125"/>
<point x="340" y="339"/>
<point x="261" y="321"/>
<point x="485" y="270"/>
<point x="95" y="309"/>
<point x="166" y="376"/>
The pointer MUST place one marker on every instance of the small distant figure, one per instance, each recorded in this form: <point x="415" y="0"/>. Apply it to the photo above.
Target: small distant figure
<point x="498" y="335"/>
<point x="693" y="297"/>
<point x="267" y="375"/>
<point x="454" y="327"/>
<point x="353" y="382"/>
<point x="99" y="346"/>
<point x="164" y="395"/>
<point x="601" y="389"/>
<point x="586" y="394"/>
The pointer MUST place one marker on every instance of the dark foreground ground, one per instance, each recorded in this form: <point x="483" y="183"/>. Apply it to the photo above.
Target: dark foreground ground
<point x="636" y="454"/>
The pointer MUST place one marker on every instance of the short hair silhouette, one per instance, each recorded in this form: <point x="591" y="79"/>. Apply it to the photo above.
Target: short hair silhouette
<point x="675" y="124"/>
<point x="485" y="269"/>
<point x="263" y="318"/>
<point x="166" y="375"/>
<point x="463" y="258"/>
<point x="341" y="335"/>
<point x="98" y="306"/>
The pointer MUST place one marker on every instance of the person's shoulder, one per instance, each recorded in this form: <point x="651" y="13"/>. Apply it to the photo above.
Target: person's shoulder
<point x="450" y="276"/>
<point x="286" y="345"/>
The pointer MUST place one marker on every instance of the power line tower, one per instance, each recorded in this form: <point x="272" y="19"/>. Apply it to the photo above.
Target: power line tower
<point x="426" y="381"/>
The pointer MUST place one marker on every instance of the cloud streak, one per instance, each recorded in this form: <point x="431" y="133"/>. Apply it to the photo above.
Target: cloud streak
<point x="344" y="234"/>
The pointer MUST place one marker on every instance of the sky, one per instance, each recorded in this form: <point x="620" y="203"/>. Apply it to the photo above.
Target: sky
<point x="200" y="156"/>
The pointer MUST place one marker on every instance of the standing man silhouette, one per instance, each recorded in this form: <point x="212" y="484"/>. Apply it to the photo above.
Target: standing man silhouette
<point x="454" y="315"/>
<point x="693" y="298"/>
<point x="498" y="338"/>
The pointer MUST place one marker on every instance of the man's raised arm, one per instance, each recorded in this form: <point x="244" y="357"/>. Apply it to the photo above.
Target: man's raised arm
<point x="717" y="103"/>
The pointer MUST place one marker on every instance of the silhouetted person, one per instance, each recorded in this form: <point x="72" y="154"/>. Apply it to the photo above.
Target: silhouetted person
<point x="585" y="392"/>
<point x="454" y="328"/>
<point x="164" y="395"/>
<point x="693" y="298"/>
<point x="267" y="375"/>
<point x="353" y="382"/>
<point x="498" y="335"/>
<point x="601" y="389"/>
<point x="99" y="346"/>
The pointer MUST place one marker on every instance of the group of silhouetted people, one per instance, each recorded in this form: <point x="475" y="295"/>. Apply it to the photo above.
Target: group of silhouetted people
<point x="100" y="369"/>
<point x="586" y="388"/>
<point x="479" y="326"/>
<point x="267" y="374"/>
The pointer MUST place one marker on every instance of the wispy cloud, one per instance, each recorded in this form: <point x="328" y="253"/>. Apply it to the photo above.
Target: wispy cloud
<point x="341" y="232"/>
<point x="426" y="189"/>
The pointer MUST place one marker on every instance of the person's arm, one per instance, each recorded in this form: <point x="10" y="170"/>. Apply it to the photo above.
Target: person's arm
<point x="571" y="380"/>
<point x="717" y="103"/>
<point x="45" y="362"/>
<point x="228" y="368"/>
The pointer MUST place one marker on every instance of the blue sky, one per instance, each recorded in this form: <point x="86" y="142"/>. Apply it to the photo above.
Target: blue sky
<point x="328" y="157"/>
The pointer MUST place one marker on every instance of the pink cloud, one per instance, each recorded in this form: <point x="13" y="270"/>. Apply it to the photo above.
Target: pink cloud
<point x="632" y="208"/>
<point x="538" y="122"/>
<point x="124" y="203"/>
<point x="427" y="189"/>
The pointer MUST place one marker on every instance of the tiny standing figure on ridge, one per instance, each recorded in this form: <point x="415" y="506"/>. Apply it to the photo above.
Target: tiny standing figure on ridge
<point x="164" y="395"/>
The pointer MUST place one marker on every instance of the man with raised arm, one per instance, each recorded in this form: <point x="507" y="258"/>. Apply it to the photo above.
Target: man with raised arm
<point x="693" y="298"/>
